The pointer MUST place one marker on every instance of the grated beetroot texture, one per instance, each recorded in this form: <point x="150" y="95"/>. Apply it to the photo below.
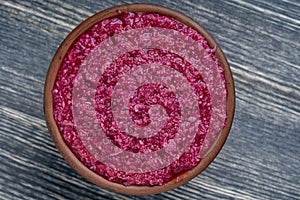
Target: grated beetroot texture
<point x="207" y="83"/>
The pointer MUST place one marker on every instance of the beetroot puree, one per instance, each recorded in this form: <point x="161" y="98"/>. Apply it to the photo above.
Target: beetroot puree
<point x="207" y="83"/>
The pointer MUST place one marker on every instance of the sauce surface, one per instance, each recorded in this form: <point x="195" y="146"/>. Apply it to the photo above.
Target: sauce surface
<point x="140" y="98"/>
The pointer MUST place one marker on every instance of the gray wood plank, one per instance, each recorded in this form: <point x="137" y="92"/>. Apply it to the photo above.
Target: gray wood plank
<point x="260" y="159"/>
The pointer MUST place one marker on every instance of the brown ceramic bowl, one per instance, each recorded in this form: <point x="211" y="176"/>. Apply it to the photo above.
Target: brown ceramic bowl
<point x="67" y="153"/>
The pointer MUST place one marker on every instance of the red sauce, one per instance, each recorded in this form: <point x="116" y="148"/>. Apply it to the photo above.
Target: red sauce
<point x="207" y="83"/>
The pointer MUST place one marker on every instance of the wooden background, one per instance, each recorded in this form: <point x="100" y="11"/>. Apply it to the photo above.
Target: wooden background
<point x="261" y="158"/>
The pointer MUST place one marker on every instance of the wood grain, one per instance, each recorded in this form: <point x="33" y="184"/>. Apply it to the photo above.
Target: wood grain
<point x="260" y="160"/>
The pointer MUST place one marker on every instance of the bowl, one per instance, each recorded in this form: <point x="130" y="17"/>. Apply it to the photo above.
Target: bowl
<point x="209" y="152"/>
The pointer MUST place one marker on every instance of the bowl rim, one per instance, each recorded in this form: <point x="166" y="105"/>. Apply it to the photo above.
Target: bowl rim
<point x="68" y="154"/>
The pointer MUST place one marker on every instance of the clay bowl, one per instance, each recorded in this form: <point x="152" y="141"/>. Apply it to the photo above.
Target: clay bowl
<point x="67" y="153"/>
